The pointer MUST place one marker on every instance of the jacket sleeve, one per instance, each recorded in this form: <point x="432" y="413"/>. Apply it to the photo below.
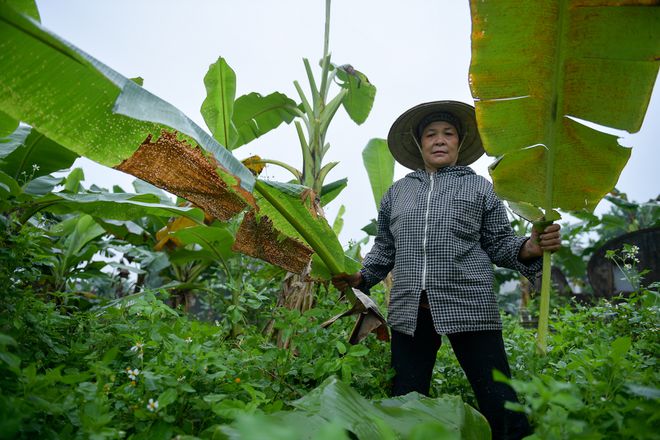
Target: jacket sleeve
<point x="500" y="242"/>
<point x="380" y="259"/>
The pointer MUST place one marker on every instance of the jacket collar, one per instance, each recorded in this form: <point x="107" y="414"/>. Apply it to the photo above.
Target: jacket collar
<point x="455" y="171"/>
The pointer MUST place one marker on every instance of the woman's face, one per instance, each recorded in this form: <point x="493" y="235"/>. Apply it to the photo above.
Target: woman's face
<point x="439" y="145"/>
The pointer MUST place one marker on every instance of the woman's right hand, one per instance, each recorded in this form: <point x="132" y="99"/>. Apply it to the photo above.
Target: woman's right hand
<point x="343" y="281"/>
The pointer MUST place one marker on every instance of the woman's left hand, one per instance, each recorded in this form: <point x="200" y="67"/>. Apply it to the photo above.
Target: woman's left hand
<point x="548" y="240"/>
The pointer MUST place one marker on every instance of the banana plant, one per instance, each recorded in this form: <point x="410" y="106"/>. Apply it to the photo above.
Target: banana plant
<point x="537" y="69"/>
<point x="235" y="122"/>
<point x="228" y="118"/>
<point x="74" y="247"/>
<point x="88" y="108"/>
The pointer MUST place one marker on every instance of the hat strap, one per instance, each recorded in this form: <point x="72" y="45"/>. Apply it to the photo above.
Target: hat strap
<point x="462" y="140"/>
<point x="419" y="147"/>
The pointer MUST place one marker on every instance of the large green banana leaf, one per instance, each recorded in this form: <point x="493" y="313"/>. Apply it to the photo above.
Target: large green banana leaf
<point x="254" y="115"/>
<point x="115" y="206"/>
<point x="403" y="415"/>
<point x="536" y="66"/>
<point x="360" y="93"/>
<point x="218" y="107"/>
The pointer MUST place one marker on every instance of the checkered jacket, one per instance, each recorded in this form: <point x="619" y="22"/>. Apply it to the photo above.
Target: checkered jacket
<point x="441" y="232"/>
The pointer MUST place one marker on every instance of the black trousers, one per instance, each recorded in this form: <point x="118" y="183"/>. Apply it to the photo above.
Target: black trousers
<point x="413" y="358"/>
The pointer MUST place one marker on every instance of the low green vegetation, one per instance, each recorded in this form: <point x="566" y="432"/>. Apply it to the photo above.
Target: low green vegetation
<point x="91" y="353"/>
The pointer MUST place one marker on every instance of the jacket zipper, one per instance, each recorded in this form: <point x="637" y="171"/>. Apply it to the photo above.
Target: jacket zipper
<point x="426" y="230"/>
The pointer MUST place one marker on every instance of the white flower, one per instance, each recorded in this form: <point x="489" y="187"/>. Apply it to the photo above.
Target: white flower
<point x="132" y="374"/>
<point x="152" y="405"/>
<point x="35" y="167"/>
<point x="627" y="266"/>
<point x="217" y="323"/>
<point x="188" y="340"/>
<point x="137" y="347"/>
<point x="181" y="378"/>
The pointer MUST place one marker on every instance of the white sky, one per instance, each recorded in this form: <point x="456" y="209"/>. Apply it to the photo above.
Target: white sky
<point x="413" y="51"/>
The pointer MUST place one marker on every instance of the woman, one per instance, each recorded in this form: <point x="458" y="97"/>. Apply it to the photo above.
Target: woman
<point x="440" y="229"/>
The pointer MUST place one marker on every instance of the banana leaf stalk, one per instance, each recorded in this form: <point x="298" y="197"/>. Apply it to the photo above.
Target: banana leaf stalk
<point x="546" y="275"/>
<point x="544" y="312"/>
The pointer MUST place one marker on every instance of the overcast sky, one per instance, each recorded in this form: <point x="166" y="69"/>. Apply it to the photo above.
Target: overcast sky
<point x="413" y="51"/>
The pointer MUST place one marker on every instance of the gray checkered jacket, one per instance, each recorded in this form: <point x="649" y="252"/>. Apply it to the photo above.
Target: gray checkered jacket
<point x="441" y="232"/>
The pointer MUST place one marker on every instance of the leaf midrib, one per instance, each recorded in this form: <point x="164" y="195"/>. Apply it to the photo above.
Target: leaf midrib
<point x="557" y="90"/>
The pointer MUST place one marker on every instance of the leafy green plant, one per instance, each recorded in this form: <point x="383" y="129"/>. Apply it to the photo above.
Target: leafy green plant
<point x="599" y="379"/>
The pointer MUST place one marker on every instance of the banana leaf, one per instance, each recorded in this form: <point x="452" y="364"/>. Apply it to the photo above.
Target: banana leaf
<point x="333" y="400"/>
<point x="216" y="240"/>
<point x="235" y="123"/>
<point x="217" y="108"/>
<point x="255" y="115"/>
<point x="361" y="93"/>
<point x="334" y="410"/>
<point x="379" y="163"/>
<point x="115" y="206"/>
<point x="331" y="190"/>
<point x="87" y="107"/>
<point x="7" y="124"/>
<point x="29" y="153"/>
<point x="537" y="67"/>
<point x="293" y="213"/>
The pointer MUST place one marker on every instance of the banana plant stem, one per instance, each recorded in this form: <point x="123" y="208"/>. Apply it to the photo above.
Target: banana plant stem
<point x="542" y="334"/>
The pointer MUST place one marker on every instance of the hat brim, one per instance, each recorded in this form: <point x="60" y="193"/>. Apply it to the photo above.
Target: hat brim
<point x="401" y="138"/>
